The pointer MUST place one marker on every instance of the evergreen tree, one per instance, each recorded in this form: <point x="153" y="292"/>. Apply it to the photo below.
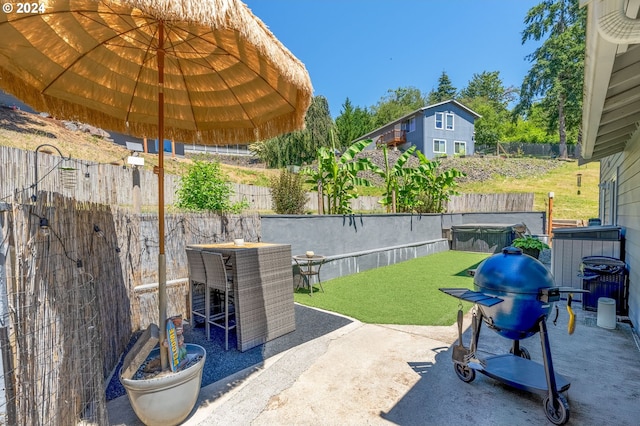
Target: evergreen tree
<point x="488" y="86"/>
<point x="444" y="92"/>
<point x="351" y="124"/>
<point x="558" y="66"/>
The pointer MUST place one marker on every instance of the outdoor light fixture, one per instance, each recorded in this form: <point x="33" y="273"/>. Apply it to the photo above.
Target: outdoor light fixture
<point x="44" y="227"/>
<point x="42" y="148"/>
<point x="98" y="231"/>
<point x="579" y="181"/>
<point x="550" y="216"/>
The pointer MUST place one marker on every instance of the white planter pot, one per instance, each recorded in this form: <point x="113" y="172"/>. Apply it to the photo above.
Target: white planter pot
<point x="167" y="400"/>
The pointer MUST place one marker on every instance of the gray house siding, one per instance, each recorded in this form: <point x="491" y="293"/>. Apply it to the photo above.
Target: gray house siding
<point x="417" y="136"/>
<point x="620" y="205"/>
<point x="463" y="130"/>
<point x="610" y="119"/>
<point x="609" y="187"/>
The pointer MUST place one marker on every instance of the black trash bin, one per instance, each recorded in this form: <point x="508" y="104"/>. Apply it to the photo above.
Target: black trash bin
<point x="604" y="277"/>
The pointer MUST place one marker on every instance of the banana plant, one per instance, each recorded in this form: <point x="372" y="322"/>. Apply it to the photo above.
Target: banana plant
<point x="393" y="177"/>
<point x="337" y="177"/>
<point x="433" y="189"/>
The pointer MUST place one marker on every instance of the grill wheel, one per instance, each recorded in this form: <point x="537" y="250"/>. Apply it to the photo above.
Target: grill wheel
<point x="523" y="353"/>
<point x="464" y="373"/>
<point x="560" y="415"/>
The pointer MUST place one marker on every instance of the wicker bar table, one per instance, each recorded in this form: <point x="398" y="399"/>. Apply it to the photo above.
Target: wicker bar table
<point x="263" y="290"/>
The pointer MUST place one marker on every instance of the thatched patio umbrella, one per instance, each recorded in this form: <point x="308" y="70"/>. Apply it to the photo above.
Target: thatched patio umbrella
<point x="202" y="71"/>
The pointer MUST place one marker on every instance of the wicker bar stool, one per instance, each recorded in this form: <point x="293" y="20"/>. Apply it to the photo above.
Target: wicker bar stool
<point x="218" y="280"/>
<point x="197" y="285"/>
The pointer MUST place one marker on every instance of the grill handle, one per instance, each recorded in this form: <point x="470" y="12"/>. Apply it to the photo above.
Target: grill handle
<point x="572" y="317"/>
<point x="511" y="250"/>
<point x="549" y="294"/>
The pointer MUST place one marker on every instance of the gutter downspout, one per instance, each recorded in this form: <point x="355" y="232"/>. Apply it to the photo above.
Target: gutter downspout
<point x="613" y="23"/>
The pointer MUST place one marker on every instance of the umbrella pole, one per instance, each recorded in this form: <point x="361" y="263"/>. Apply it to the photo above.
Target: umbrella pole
<point x="162" y="265"/>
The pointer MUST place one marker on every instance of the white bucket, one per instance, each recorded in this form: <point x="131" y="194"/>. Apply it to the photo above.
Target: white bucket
<point x="606" y="313"/>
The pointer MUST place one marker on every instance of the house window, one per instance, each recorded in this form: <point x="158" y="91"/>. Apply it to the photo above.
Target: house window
<point x="439" y="146"/>
<point x="439" y="120"/>
<point x="410" y="125"/>
<point x="449" y="121"/>
<point x="459" y="147"/>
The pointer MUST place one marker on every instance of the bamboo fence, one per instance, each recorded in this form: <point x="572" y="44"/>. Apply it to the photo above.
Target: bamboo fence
<point x="74" y="299"/>
<point x="56" y="344"/>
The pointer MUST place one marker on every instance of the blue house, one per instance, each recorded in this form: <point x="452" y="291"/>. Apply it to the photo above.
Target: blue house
<point x="446" y="128"/>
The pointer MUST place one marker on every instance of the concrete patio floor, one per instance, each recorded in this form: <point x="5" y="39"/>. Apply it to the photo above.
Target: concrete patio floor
<point x="386" y="374"/>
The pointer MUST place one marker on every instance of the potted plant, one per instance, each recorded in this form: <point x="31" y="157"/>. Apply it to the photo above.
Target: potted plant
<point x="530" y="245"/>
<point x="157" y="396"/>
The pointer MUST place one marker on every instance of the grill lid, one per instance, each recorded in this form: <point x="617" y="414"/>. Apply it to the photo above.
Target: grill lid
<point x="512" y="272"/>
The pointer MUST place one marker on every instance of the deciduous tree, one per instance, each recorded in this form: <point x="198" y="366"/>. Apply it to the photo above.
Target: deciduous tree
<point x="395" y="104"/>
<point x="486" y="95"/>
<point x="300" y="147"/>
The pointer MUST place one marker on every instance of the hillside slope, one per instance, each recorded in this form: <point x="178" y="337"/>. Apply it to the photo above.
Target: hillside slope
<point x="27" y="131"/>
<point x="483" y="175"/>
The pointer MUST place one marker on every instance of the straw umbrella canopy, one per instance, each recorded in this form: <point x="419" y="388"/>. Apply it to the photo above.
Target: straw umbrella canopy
<point x="201" y="71"/>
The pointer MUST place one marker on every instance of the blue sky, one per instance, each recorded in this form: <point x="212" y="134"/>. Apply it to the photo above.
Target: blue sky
<point x="361" y="48"/>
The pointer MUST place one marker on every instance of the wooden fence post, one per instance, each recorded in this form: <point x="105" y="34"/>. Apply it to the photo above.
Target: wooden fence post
<point x="320" y="199"/>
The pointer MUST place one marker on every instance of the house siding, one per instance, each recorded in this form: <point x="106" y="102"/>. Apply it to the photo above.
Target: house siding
<point x="425" y="132"/>
<point x="620" y="187"/>
<point x="463" y="130"/>
<point x="416" y="137"/>
<point x="610" y="187"/>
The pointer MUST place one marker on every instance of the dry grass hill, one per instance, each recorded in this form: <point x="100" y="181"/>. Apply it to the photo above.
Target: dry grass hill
<point x="483" y="175"/>
<point x="27" y="131"/>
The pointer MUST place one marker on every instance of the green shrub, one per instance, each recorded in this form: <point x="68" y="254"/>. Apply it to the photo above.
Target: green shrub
<point x="529" y="242"/>
<point x="205" y="187"/>
<point x="287" y="193"/>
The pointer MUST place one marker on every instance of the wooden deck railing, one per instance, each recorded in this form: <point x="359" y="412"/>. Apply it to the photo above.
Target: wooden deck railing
<point x="393" y="138"/>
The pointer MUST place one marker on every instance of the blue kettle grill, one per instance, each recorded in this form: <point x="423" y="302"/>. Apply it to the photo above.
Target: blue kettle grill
<point x="514" y="295"/>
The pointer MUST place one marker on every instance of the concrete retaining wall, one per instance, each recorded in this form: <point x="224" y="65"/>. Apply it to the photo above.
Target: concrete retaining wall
<point x="354" y="243"/>
<point x="332" y="235"/>
<point x="351" y="263"/>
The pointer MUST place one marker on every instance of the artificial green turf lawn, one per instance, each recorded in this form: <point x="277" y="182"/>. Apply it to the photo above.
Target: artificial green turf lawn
<point x="404" y="293"/>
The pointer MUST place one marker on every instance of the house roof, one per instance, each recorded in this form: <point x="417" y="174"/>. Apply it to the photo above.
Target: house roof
<point x="420" y="110"/>
<point x="611" y="102"/>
